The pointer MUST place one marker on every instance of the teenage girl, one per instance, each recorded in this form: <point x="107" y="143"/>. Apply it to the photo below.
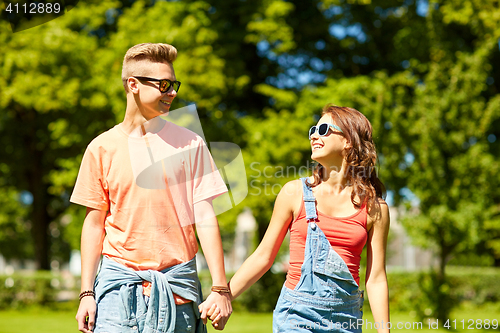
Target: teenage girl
<point x="331" y="216"/>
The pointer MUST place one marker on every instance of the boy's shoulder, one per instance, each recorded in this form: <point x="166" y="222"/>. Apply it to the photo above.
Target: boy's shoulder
<point x="108" y="138"/>
<point x="182" y="133"/>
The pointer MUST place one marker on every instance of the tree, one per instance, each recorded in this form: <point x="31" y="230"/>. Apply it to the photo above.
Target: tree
<point x="51" y="107"/>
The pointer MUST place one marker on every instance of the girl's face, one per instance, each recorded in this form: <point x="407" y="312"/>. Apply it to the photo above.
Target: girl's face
<point x="328" y="146"/>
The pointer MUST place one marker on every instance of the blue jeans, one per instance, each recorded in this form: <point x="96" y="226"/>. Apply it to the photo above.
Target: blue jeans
<point x="115" y="317"/>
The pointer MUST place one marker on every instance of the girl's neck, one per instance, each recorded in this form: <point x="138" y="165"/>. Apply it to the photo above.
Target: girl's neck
<point x="333" y="179"/>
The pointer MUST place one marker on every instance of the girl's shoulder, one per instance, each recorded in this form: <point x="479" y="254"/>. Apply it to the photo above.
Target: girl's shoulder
<point x="292" y="188"/>
<point x="290" y="197"/>
<point x="378" y="212"/>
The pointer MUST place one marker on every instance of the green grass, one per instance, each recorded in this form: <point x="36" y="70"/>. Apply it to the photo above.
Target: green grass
<point x="38" y="320"/>
<point x="63" y="321"/>
<point x="244" y="322"/>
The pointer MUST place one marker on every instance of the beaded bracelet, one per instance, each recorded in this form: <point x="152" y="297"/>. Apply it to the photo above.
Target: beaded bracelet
<point x="221" y="289"/>
<point x="87" y="293"/>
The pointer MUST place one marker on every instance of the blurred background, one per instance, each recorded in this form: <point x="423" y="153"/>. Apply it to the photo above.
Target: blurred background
<point x="425" y="73"/>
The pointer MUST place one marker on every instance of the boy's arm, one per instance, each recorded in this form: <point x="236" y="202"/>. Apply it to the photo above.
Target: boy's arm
<point x="91" y="248"/>
<point x="211" y="243"/>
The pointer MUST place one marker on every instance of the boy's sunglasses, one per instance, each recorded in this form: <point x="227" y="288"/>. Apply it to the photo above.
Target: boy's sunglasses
<point x="322" y="129"/>
<point x="164" y="85"/>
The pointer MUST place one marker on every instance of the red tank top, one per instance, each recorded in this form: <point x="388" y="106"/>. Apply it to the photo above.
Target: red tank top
<point x="347" y="236"/>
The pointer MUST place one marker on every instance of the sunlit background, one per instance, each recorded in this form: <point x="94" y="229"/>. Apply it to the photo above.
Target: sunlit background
<point x="425" y="73"/>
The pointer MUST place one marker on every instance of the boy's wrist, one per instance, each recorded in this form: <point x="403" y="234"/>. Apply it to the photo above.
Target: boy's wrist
<point x="86" y="286"/>
<point x="87" y="293"/>
<point x="221" y="289"/>
<point x="219" y="281"/>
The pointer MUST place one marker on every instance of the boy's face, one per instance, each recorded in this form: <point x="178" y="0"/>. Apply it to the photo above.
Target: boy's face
<point x="151" y="101"/>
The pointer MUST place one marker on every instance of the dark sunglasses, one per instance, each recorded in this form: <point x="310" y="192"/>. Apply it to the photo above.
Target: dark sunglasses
<point x="164" y="85"/>
<point x="322" y="129"/>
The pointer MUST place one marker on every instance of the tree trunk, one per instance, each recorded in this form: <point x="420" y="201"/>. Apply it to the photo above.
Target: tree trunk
<point x="35" y="173"/>
<point x="40" y="218"/>
<point x="40" y="232"/>
<point x="497" y="262"/>
<point x="442" y="310"/>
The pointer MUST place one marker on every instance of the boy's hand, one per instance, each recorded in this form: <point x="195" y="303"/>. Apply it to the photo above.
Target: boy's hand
<point x="86" y="315"/>
<point x="218" y="308"/>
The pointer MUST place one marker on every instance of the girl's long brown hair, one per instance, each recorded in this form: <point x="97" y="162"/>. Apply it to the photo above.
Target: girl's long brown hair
<point x="361" y="156"/>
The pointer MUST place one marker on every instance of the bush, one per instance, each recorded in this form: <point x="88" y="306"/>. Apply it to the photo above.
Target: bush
<point x="22" y="290"/>
<point x="413" y="291"/>
<point x="262" y="295"/>
<point x="478" y="286"/>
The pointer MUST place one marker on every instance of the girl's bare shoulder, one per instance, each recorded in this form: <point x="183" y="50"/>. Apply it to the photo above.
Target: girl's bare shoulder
<point x="378" y="212"/>
<point x="290" y="196"/>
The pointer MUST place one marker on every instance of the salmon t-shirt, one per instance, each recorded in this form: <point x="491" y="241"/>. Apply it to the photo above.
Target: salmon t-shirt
<point x="148" y="185"/>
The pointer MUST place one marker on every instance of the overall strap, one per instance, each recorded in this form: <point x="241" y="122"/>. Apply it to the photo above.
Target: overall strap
<point x="309" y="201"/>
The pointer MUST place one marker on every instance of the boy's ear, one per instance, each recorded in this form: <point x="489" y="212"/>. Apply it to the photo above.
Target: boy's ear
<point x="133" y="85"/>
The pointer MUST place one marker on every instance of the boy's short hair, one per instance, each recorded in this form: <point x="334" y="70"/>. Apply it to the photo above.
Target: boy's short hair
<point x="137" y="57"/>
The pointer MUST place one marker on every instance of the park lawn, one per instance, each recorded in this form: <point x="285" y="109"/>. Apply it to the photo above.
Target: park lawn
<point x="63" y="321"/>
<point x="38" y="320"/>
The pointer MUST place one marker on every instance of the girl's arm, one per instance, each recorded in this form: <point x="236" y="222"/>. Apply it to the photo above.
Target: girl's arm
<point x="262" y="259"/>
<point x="376" y="278"/>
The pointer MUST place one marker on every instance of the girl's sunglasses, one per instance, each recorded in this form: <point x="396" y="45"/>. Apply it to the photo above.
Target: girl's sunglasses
<point x="164" y="85"/>
<point x="322" y="129"/>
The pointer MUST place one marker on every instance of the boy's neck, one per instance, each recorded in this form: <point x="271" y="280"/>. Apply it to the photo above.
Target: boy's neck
<point x="134" y="124"/>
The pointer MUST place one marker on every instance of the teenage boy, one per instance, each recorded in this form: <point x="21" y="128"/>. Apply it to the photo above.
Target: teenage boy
<point x="145" y="182"/>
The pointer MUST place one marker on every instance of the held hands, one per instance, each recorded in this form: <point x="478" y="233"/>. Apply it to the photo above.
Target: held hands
<point x="218" y="308"/>
<point x="86" y="315"/>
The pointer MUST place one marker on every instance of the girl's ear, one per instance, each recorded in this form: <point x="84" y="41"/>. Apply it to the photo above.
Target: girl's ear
<point x="347" y="144"/>
<point x="347" y="147"/>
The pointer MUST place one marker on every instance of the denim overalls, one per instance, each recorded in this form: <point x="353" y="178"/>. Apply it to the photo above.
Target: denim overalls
<point x="326" y="299"/>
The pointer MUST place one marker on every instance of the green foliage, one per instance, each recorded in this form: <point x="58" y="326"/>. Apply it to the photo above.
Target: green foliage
<point x="276" y="153"/>
<point x="51" y="108"/>
<point x="436" y="296"/>
<point x="269" y="25"/>
<point x="14" y="226"/>
<point x="417" y="293"/>
<point x="262" y="295"/>
<point x="20" y="291"/>
<point x="472" y="259"/>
